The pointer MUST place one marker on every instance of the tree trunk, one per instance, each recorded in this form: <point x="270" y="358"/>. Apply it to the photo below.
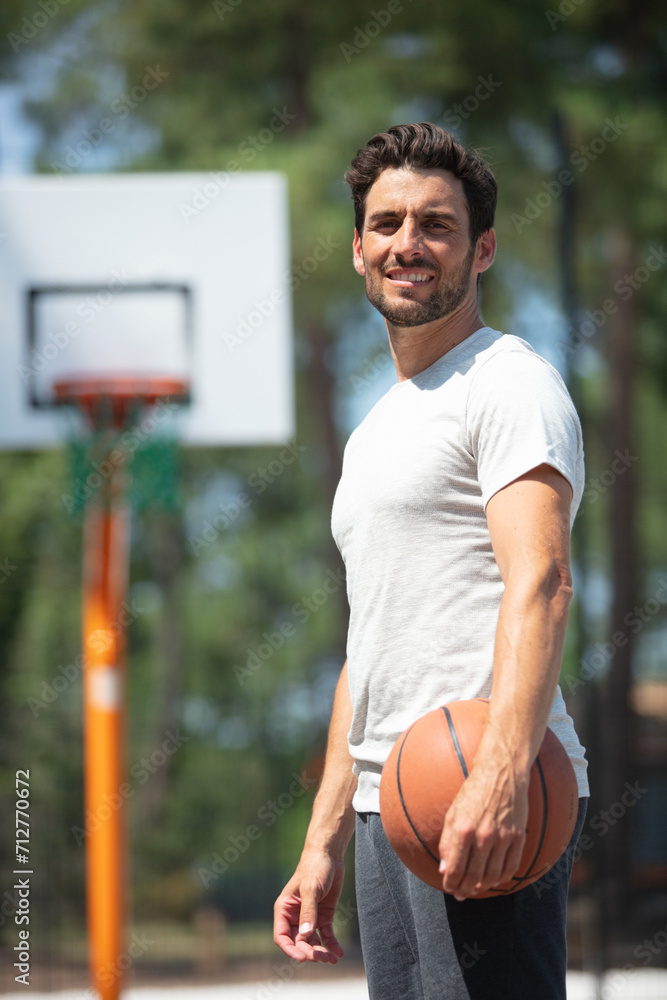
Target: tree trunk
<point x="582" y="705"/>
<point x="167" y="552"/>
<point x="616" y="717"/>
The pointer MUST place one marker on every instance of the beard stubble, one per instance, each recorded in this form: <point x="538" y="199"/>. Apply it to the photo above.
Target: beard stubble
<point x="409" y="312"/>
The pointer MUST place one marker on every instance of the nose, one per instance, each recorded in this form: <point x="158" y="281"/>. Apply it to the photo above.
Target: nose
<point x="408" y="239"/>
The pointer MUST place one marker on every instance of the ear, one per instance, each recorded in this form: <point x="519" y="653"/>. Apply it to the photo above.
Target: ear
<point x="485" y="251"/>
<point x="357" y="255"/>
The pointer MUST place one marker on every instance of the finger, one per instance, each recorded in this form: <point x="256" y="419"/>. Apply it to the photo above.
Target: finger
<point x="322" y="954"/>
<point x="454" y="864"/>
<point x="512" y="859"/>
<point x="284" y="937"/>
<point x="285" y="932"/>
<point x="495" y="865"/>
<point x="308" y="912"/>
<point x="292" y="950"/>
<point x="314" y="950"/>
<point x="472" y="876"/>
<point x="330" y="941"/>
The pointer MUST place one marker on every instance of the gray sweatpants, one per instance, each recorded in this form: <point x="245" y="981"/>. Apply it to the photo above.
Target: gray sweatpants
<point x="421" y="944"/>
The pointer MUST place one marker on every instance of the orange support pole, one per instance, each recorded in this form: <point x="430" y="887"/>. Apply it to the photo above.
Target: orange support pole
<point x="105" y="573"/>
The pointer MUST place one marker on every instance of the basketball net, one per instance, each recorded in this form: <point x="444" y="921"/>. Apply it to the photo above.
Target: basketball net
<point x="126" y="430"/>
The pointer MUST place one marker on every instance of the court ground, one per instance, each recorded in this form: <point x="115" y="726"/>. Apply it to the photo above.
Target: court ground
<point x="640" y="984"/>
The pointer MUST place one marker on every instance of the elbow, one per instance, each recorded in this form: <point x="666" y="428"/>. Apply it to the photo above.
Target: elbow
<point x="559" y="583"/>
<point x="541" y="577"/>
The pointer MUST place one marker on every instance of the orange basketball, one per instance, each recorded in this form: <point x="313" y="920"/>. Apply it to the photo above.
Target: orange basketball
<point x="426" y="768"/>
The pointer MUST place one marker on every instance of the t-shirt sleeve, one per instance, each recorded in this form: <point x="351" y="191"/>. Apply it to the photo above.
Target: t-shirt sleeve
<point x="520" y="415"/>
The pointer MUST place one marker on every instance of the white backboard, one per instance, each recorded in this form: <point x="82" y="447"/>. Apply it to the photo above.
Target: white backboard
<point x="183" y="275"/>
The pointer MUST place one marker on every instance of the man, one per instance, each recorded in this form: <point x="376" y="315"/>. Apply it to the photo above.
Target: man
<point x="453" y="516"/>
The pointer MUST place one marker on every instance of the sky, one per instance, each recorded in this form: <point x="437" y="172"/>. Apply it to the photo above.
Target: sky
<point x="18" y="137"/>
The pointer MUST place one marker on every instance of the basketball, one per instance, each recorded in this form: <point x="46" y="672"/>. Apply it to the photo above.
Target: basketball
<point x="426" y="768"/>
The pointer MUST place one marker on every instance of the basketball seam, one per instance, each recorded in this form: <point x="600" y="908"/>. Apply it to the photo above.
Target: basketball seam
<point x="545" y="816"/>
<point x="403" y="805"/>
<point x="455" y="741"/>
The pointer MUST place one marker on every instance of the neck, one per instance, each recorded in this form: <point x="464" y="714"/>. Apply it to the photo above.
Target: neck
<point x="417" y="348"/>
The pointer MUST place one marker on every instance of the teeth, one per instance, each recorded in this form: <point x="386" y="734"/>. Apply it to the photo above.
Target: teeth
<point x="412" y="277"/>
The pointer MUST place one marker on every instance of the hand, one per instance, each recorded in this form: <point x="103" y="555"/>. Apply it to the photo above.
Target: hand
<point x="304" y="911"/>
<point x="484" y="830"/>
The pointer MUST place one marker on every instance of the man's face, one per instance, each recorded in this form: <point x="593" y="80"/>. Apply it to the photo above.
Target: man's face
<point x="415" y="250"/>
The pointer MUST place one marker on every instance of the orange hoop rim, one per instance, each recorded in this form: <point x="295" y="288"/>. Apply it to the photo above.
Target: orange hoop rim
<point x="147" y="389"/>
<point x="110" y="400"/>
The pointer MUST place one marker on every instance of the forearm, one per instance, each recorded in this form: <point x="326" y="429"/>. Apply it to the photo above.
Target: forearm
<point x="304" y="911"/>
<point x="332" y="822"/>
<point x="527" y="661"/>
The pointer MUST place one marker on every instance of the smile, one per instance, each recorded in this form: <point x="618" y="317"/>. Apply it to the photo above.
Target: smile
<point x="410" y="276"/>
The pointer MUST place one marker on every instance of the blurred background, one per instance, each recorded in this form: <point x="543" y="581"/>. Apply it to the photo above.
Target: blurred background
<point x="568" y="104"/>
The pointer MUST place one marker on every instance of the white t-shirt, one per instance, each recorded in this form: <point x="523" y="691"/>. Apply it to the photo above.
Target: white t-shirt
<point x="409" y="520"/>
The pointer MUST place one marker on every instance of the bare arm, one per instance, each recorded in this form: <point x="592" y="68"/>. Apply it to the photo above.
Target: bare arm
<point x="304" y="911"/>
<point x="484" y="830"/>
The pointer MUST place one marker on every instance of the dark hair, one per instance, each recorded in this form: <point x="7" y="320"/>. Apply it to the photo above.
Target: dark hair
<point x="431" y="147"/>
